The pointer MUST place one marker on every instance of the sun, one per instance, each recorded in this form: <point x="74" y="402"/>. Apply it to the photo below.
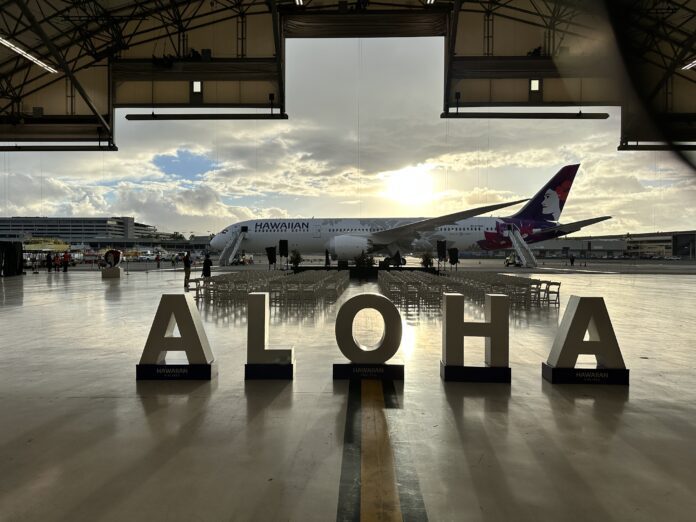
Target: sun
<point x="411" y="185"/>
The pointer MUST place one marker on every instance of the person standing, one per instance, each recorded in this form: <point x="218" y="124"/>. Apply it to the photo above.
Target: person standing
<point x="157" y="260"/>
<point x="49" y="262"/>
<point x="207" y="266"/>
<point x="66" y="260"/>
<point x="187" y="269"/>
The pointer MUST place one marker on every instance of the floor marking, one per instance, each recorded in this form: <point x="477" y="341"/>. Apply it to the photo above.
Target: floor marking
<point x="379" y="498"/>
<point x="576" y="270"/>
<point x="412" y="505"/>
<point x="378" y="476"/>
<point x="349" y="487"/>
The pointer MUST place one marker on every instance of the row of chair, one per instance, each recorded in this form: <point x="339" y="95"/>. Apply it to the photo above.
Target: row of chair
<point x="426" y="289"/>
<point x="308" y="286"/>
<point x="524" y="292"/>
<point x="412" y="288"/>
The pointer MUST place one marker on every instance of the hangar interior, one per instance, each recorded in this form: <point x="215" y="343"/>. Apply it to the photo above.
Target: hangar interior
<point x="81" y="439"/>
<point x="92" y="57"/>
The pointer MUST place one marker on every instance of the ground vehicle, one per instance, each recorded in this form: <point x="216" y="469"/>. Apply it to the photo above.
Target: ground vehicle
<point x="243" y="260"/>
<point x="513" y="260"/>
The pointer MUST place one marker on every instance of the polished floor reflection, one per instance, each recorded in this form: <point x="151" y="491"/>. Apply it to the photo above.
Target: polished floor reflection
<point x="81" y="440"/>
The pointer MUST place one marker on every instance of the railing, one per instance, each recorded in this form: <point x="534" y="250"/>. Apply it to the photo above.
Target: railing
<point x="231" y="248"/>
<point x="521" y="247"/>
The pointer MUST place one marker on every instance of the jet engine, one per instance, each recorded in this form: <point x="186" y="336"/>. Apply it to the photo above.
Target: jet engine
<point x="348" y="247"/>
<point x="421" y="245"/>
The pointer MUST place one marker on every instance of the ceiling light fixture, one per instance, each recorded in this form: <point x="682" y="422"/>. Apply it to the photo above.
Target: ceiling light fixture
<point x="689" y="66"/>
<point x="430" y="2"/>
<point x="26" y="55"/>
<point x="299" y="2"/>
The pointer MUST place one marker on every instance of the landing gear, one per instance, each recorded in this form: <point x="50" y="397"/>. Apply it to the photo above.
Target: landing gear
<point x="395" y="260"/>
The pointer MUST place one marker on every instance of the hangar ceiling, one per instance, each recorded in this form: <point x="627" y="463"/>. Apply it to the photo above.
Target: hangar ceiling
<point x="66" y="65"/>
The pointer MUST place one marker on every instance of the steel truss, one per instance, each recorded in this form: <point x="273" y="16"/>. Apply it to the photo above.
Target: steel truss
<point x="76" y="34"/>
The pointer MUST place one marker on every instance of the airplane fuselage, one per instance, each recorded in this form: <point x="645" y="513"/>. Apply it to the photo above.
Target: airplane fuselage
<point x="315" y="236"/>
<point x="465" y="230"/>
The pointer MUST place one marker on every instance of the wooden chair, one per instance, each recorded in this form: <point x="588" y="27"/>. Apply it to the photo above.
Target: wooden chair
<point x="552" y="294"/>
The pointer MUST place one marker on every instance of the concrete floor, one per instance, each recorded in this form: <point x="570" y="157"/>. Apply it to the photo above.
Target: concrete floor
<point x="81" y="440"/>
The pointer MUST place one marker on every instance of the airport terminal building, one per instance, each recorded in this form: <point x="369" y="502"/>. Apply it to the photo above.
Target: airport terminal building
<point x="77" y="229"/>
<point x="98" y="232"/>
<point x="648" y="245"/>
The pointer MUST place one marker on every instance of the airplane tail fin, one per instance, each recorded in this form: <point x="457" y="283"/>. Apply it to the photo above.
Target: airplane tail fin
<point x="548" y="203"/>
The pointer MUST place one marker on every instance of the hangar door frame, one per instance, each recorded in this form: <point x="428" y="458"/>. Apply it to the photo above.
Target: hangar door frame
<point x="110" y="56"/>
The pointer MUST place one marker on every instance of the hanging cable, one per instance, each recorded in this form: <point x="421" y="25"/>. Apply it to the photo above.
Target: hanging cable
<point x="478" y="164"/>
<point x="447" y="151"/>
<point x="6" y="184"/>
<point x="488" y="153"/>
<point x="42" y="182"/>
<point x="357" y="89"/>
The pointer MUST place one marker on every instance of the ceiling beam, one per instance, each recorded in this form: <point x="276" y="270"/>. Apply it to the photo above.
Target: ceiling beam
<point x="278" y="43"/>
<point x="679" y="59"/>
<point x="63" y="64"/>
<point x="57" y="148"/>
<point x="451" y="47"/>
<point x="206" y="116"/>
<point x="527" y="115"/>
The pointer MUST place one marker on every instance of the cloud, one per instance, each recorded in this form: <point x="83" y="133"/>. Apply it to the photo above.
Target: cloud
<point x="185" y="210"/>
<point x="357" y="111"/>
<point x="24" y="194"/>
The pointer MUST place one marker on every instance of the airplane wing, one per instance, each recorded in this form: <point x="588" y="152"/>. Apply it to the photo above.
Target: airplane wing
<point x="396" y="233"/>
<point x="574" y="226"/>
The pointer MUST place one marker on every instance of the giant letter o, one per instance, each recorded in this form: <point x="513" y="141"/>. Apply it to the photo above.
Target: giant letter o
<point x="391" y="338"/>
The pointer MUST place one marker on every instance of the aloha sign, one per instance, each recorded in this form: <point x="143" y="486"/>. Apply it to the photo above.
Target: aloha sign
<point x="583" y="317"/>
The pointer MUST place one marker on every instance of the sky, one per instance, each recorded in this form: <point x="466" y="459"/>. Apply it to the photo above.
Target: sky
<point x="364" y="138"/>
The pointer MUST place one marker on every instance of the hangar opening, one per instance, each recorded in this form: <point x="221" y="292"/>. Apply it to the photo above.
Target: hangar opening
<point x="290" y="185"/>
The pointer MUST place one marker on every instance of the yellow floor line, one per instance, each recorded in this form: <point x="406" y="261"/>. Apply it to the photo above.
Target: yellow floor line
<point x="379" y="496"/>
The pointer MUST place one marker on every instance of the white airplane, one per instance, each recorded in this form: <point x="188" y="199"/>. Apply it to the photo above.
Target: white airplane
<point x="346" y="238"/>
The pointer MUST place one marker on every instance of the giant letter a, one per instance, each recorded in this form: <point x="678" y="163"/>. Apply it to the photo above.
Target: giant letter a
<point x="585" y="315"/>
<point x="176" y="310"/>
